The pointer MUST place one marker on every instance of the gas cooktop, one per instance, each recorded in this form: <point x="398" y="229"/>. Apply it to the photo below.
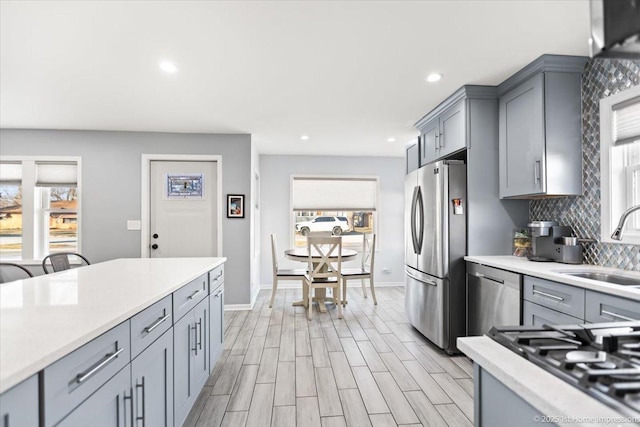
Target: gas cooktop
<point x="602" y="359"/>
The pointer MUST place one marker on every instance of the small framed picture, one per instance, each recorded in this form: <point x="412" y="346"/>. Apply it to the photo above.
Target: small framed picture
<point x="235" y="205"/>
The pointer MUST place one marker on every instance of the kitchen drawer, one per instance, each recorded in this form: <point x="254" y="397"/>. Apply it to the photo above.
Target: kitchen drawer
<point x="216" y="278"/>
<point x="557" y="296"/>
<point x="537" y="315"/>
<point x="149" y="325"/>
<point x="188" y="296"/>
<point x="608" y="308"/>
<point x="72" y="379"/>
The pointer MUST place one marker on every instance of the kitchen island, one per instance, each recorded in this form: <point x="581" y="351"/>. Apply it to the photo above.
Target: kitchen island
<point x="510" y="390"/>
<point x="48" y="321"/>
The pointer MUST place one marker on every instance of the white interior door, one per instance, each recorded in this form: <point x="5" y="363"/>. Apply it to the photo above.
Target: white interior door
<point x="183" y="209"/>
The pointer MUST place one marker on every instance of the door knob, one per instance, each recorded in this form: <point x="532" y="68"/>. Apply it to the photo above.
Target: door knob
<point x="155" y="235"/>
<point x="154" y="246"/>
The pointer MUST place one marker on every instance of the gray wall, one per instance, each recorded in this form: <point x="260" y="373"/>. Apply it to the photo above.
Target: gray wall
<point x="600" y="79"/>
<point x="275" y="175"/>
<point x="111" y="163"/>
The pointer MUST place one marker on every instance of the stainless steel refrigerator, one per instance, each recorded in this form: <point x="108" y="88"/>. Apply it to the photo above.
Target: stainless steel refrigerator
<point x="435" y="245"/>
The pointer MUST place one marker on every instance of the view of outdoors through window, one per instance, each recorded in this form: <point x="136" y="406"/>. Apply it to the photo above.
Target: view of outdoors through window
<point x="630" y="167"/>
<point x="57" y="211"/>
<point x="11" y="221"/>
<point x="349" y="224"/>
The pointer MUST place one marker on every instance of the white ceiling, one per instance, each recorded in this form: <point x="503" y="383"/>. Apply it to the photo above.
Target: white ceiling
<point x="348" y="74"/>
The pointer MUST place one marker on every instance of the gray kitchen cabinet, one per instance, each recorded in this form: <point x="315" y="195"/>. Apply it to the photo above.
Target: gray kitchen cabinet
<point x="216" y="328"/>
<point x="540" y="138"/>
<point x="609" y="308"/>
<point x="537" y="315"/>
<point x="152" y="383"/>
<point x="68" y="382"/>
<point x="110" y="406"/>
<point x="412" y="157"/>
<point x="445" y="133"/>
<point x="191" y="361"/>
<point x="19" y="405"/>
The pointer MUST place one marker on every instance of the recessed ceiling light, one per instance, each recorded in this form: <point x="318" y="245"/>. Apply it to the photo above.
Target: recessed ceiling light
<point x="392" y="139"/>
<point x="304" y="137"/>
<point x="434" y="77"/>
<point x="168" y="67"/>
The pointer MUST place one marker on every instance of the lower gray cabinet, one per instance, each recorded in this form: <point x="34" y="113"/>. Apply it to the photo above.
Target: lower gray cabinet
<point x="216" y="325"/>
<point x="190" y="359"/>
<point x="537" y="315"/>
<point x="19" y="405"/>
<point x="610" y="308"/>
<point x="152" y="382"/>
<point x="110" y="406"/>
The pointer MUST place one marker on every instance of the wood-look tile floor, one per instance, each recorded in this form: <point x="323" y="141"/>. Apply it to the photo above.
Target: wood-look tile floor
<point x="371" y="368"/>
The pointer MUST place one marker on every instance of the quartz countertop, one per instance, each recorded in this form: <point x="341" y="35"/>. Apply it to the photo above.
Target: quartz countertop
<point x="547" y="393"/>
<point x="553" y="271"/>
<point x="46" y="317"/>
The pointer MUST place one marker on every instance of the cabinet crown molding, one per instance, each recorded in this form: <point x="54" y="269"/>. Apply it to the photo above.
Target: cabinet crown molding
<point x="465" y="92"/>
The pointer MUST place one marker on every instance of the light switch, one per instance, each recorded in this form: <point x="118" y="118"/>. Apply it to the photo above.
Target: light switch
<point x="133" y="224"/>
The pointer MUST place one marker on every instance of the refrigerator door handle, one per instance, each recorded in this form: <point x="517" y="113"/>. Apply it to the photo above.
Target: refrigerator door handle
<point x="420" y="211"/>
<point x="414" y="197"/>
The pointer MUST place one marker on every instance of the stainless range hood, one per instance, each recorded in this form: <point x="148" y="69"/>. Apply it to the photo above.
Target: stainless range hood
<point x="615" y="29"/>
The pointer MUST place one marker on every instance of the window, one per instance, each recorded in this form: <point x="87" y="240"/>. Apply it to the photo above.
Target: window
<point x="337" y="205"/>
<point x="620" y="163"/>
<point x="39" y="207"/>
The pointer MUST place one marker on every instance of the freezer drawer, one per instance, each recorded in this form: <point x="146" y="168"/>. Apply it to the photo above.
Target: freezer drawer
<point x="424" y="305"/>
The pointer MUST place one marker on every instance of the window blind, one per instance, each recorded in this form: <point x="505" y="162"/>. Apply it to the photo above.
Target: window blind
<point x="10" y="173"/>
<point x="56" y="174"/>
<point x="334" y="194"/>
<point x="626" y="121"/>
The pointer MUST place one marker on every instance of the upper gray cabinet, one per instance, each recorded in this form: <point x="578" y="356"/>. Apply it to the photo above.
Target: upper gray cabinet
<point x="540" y="144"/>
<point x="443" y="130"/>
<point x="412" y="157"/>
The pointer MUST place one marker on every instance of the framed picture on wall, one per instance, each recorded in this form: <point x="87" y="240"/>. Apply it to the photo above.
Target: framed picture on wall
<point x="235" y="205"/>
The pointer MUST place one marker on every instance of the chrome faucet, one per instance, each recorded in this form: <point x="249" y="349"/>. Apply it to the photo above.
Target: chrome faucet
<point x="617" y="235"/>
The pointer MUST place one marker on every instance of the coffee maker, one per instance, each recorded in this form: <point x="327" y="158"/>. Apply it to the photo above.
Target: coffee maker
<point x="553" y="242"/>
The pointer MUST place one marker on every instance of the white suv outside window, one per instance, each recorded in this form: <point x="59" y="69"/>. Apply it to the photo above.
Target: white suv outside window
<point x="335" y="224"/>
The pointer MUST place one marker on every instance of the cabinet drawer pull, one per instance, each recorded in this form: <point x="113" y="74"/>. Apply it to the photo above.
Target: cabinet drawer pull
<point x="82" y="377"/>
<point x="193" y="295"/>
<point x="482" y="276"/>
<point x="156" y="323"/>
<point x="544" y="294"/>
<point x="618" y="316"/>
<point x="217" y="294"/>
<point x="215" y="279"/>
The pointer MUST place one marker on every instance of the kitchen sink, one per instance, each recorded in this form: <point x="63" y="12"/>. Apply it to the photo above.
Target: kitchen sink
<point x="605" y="277"/>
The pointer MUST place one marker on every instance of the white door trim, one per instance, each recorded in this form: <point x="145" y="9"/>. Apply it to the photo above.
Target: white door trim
<point x="145" y="196"/>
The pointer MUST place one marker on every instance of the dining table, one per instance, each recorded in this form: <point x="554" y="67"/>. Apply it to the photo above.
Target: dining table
<point x="302" y="255"/>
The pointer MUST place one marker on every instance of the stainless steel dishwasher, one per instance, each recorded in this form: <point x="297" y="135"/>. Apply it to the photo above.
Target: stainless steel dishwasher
<point x="493" y="298"/>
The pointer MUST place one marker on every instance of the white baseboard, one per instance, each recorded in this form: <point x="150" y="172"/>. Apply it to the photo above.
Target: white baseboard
<point x="290" y="284"/>
<point x="241" y="307"/>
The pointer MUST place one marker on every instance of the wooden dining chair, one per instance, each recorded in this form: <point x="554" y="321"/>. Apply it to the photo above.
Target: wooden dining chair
<point x="364" y="272"/>
<point x="60" y="261"/>
<point x="10" y="272"/>
<point x="282" y="274"/>
<point x="324" y="266"/>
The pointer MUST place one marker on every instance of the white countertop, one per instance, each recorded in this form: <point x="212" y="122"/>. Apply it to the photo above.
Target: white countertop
<point x="550" y="395"/>
<point x="44" y="318"/>
<point x="552" y="271"/>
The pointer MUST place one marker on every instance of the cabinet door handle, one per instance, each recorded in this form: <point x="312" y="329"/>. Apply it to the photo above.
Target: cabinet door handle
<point x="536" y="172"/>
<point x="195" y="338"/>
<point x="544" y="294"/>
<point x="199" y="324"/>
<point x="618" y="316"/>
<point x="156" y="323"/>
<point x="193" y="295"/>
<point x="493" y="279"/>
<point x="83" y="376"/>
<point x="440" y="140"/>
<point x="130" y="399"/>
<point x="140" y="417"/>
<point x="436" y="144"/>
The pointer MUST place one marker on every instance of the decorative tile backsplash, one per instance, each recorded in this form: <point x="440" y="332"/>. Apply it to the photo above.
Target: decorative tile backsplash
<point x="600" y="79"/>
